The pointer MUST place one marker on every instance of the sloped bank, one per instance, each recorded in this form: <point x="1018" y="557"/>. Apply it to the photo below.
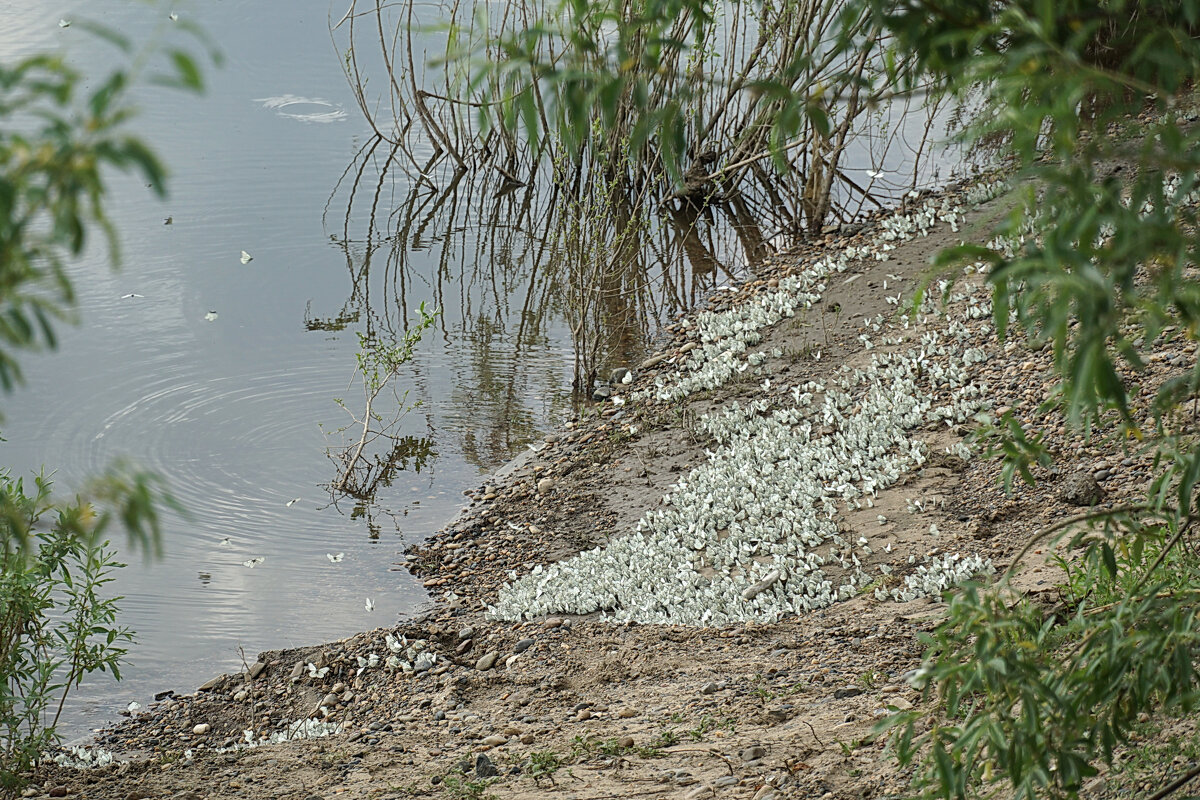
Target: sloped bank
<point x="779" y="705"/>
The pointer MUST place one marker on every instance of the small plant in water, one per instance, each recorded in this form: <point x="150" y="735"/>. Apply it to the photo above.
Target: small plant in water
<point x="378" y="362"/>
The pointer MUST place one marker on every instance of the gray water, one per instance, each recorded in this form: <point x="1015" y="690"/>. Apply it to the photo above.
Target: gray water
<point x="229" y="410"/>
<point x="236" y="412"/>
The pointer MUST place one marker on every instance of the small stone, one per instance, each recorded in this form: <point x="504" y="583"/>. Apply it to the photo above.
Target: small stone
<point x="212" y="683"/>
<point x="465" y="633"/>
<point x="625" y="742"/>
<point x="487" y="662"/>
<point x="552" y="622"/>
<point x="330" y="700"/>
<point x="463" y="646"/>
<point x="527" y="738"/>
<point x="751" y="592"/>
<point x="338" y="688"/>
<point x="240" y="696"/>
<point x="849" y="691"/>
<point x="484" y="768"/>
<point x="725" y="780"/>
<point x="298" y="671"/>
<point x="697" y="793"/>
<point x="545" y="485"/>
<point x="767" y="792"/>
<point x="902" y="703"/>
<point x="627" y="713"/>
<point x="523" y="645"/>
<point x="708" y="688"/>
<point x="1081" y="489"/>
<point x="602" y="392"/>
<point x="618" y="375"/>
<point x="495" y="740"/>
<point x="753" y="753"/>
<point x="583" y="714"/>
<point x="202" y="729"/>
<point x="58" y="791"/>
<point x="653" y="361"/>
<point x="256" y="669"/>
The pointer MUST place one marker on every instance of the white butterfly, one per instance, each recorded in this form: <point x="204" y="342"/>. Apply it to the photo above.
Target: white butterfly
<point x="133" y="706"/>
<point x="335" y="559"/>
<point x="313" y="672"/>
<point x="370" y="605"/>
<point x="173" y="17"/>
<point x="64" y="23"/>
<point x="393" y="644"/>
<point x="291" y="503"/>
<point x="874" y="173"/>
<point x="254" y="562"/>
<point x="131" y="294"/>
<point x="227" y="542"/>
<point x="246" y="257"/>
<point x="210" y="316"/>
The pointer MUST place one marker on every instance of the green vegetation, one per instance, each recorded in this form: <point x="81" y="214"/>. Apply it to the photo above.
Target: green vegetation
<point x="543" y="763"/>
<point x="461" y="787"/>
<point x="361" y="472"/>
<point x="57" y="148"/>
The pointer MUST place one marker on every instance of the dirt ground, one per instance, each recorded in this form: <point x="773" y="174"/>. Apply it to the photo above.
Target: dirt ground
<point x="582" y="708"/>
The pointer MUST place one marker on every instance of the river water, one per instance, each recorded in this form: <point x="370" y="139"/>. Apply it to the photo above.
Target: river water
<point x="223" y="376"/>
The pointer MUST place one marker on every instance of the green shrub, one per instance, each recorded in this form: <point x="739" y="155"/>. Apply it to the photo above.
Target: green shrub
<point x="56" y="625"/>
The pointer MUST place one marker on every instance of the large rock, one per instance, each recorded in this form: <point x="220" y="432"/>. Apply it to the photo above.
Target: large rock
<point x="1081" y="489"/>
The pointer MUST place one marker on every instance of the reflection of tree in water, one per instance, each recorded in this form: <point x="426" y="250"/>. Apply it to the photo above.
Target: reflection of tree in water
<point x="493" y="256"/>
<point x="404" y="453"/>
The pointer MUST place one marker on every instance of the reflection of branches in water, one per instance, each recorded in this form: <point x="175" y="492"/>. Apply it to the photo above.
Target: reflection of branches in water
<point x="406" y="454"/>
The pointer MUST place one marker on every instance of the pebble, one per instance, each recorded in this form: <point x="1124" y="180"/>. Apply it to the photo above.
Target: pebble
<point x="1080" y="489"/>
<point x="765" y="793"/>
<point x="754" y="752"/>
<point x="465" y="633"/>
<point x="552" y="622"/>
<point x="627" y="713"/>
<point x="625" y="742"/>
<point x="653" y="361"/>
<point x="545" y="485"/>
<point x="487" y="662"/>
<point x="484" y="768"/>
<point x="708" y="688"/>
<point x="527" y="738"/>
<point x="725" y="780"/>
<point x="583" y="714"/>
<point x="298" y="671"/>
<point x="202" y="729"/>
<point x="751" y="592"/>
<point x="58" y="791"/>
<point x="495" y="740"/>
<point x="523" y="645"/>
